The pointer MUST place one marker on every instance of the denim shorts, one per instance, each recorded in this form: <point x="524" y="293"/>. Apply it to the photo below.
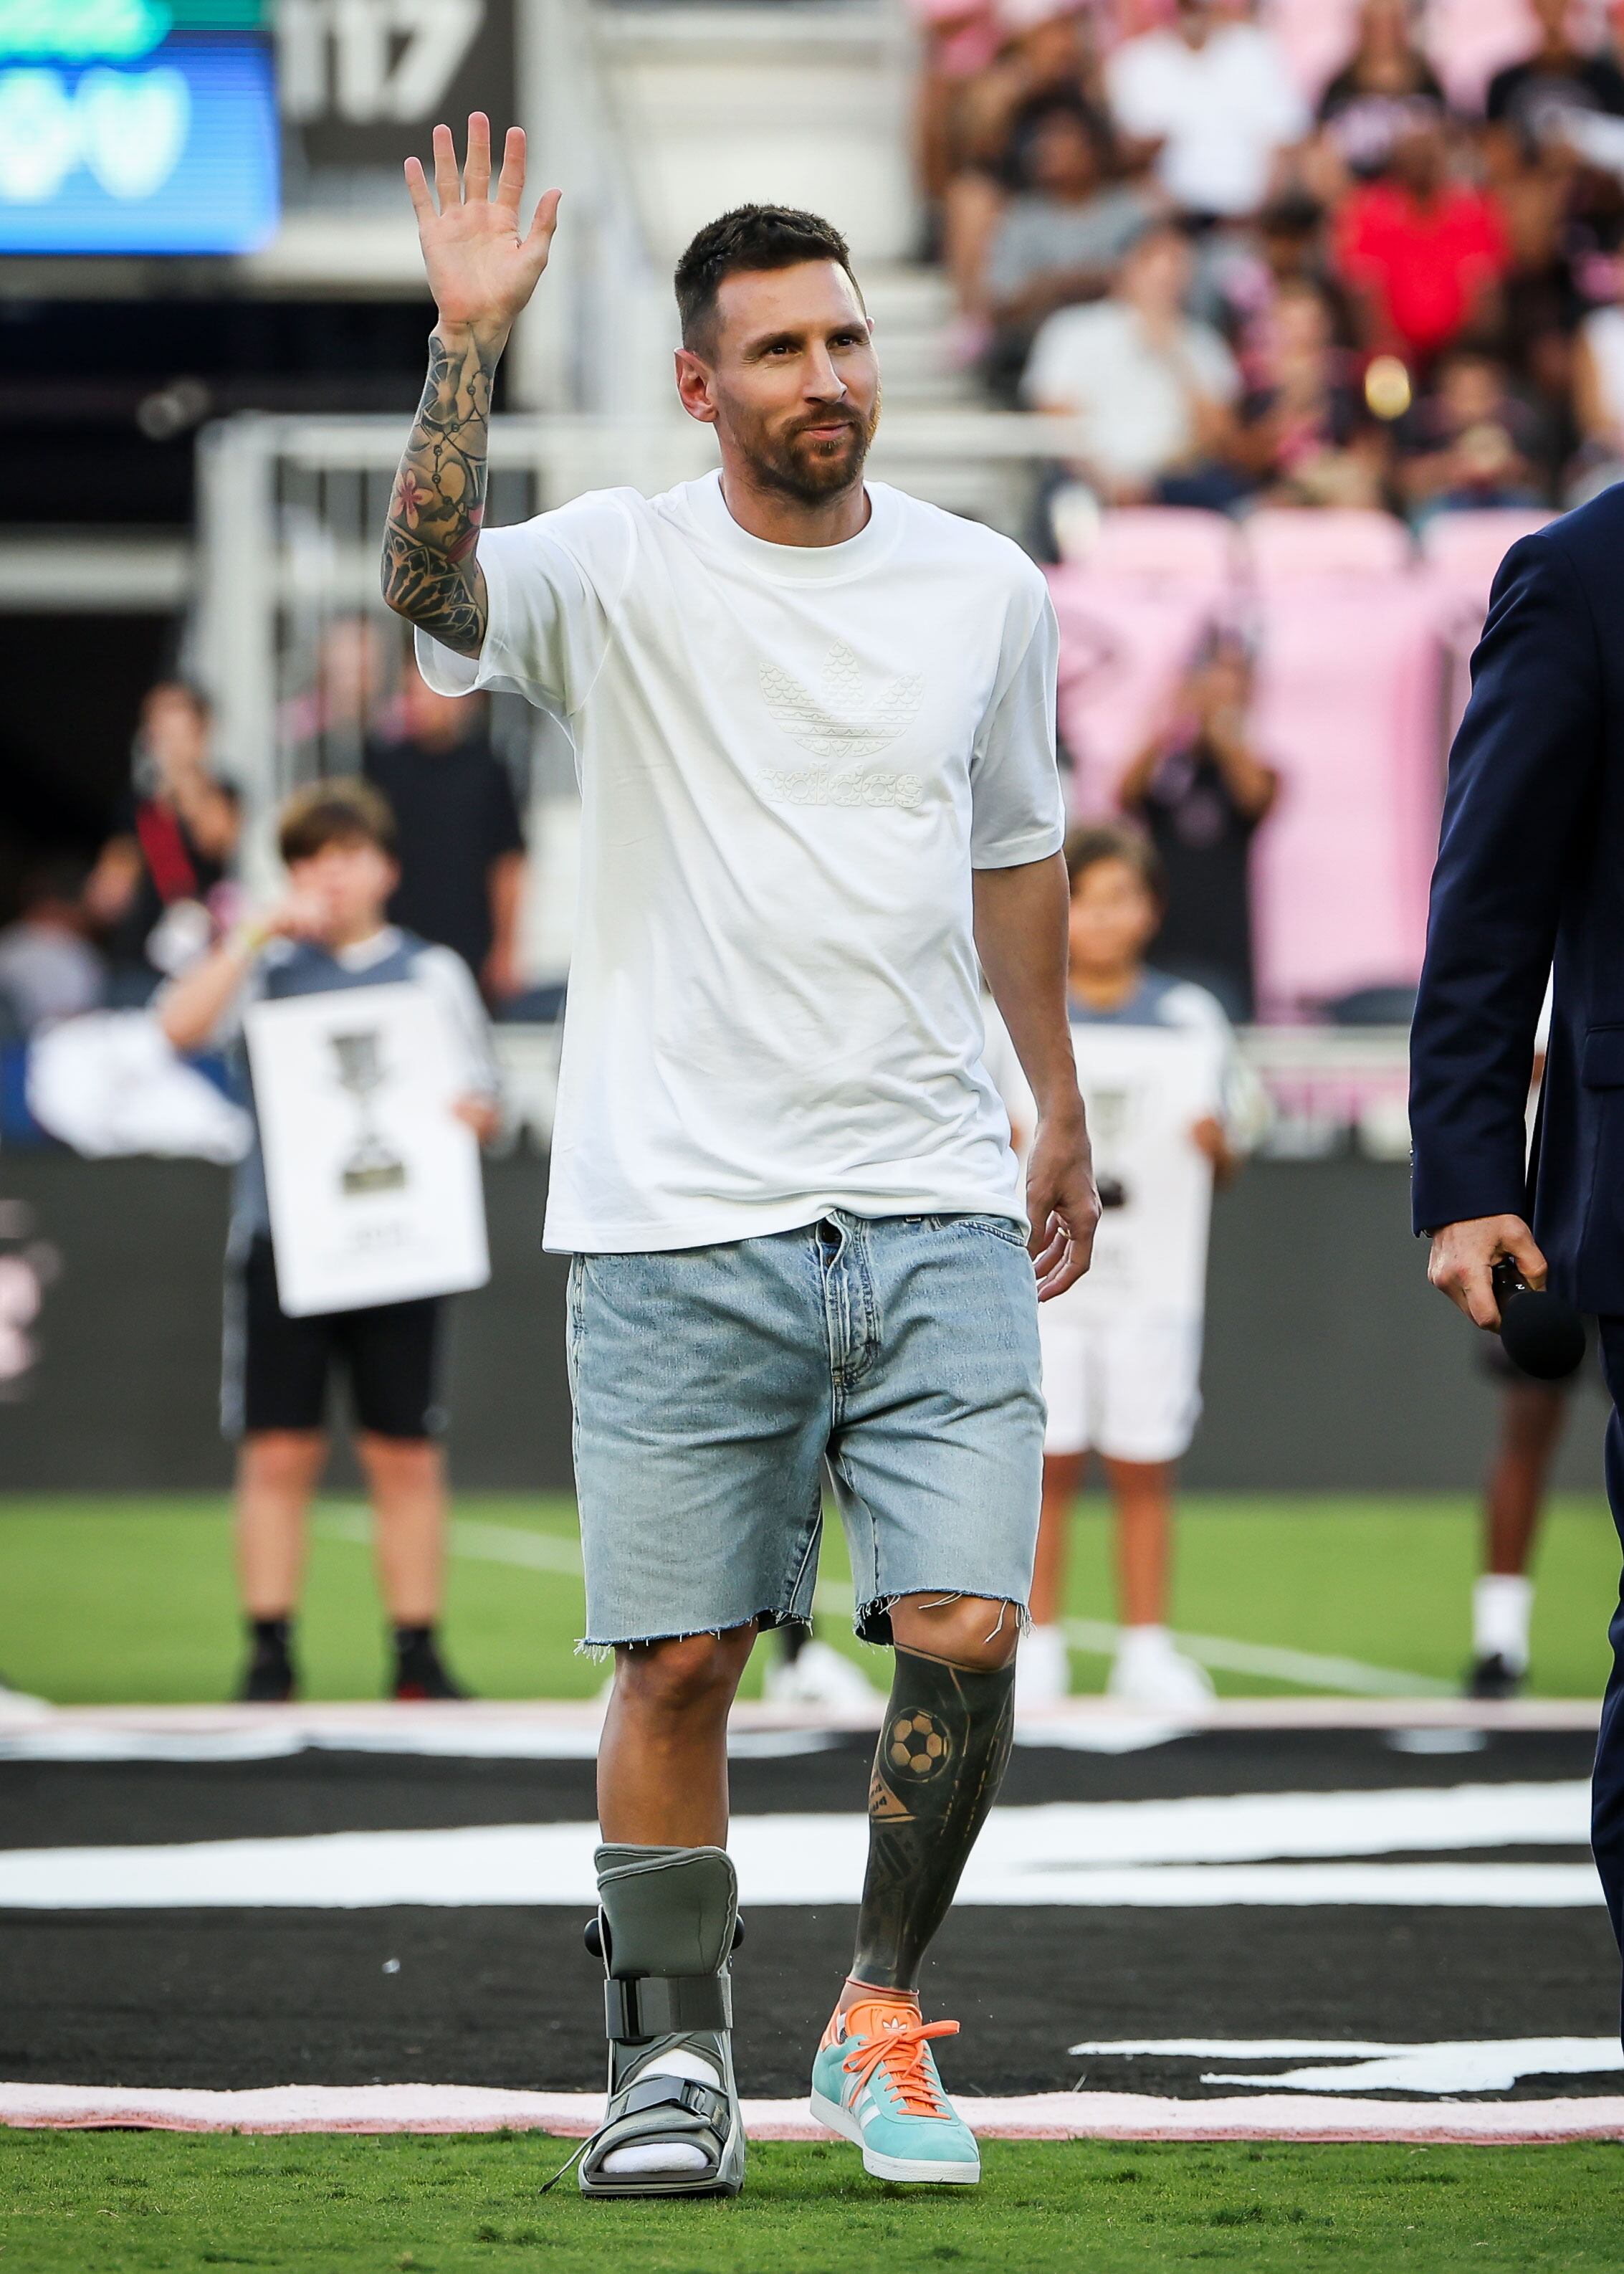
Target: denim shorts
<point x="711" y="1385"/>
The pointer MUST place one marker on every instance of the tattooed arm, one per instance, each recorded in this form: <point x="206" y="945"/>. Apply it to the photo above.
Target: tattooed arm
<point x="482" y="273"/>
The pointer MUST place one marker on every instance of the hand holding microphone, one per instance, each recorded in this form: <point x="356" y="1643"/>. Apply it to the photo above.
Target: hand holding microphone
<point x="1538" y="1331"/>
<point x="1491" y="1267"/>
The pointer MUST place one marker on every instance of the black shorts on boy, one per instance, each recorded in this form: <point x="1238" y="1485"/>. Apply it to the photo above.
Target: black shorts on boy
<point x="277" y="1371"/>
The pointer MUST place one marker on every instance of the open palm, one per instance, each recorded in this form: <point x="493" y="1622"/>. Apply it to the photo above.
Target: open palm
<point x="481" y="270"/>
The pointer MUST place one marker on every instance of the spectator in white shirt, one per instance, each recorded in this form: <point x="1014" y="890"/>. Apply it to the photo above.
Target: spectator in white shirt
<point x="1153" y="386"/>
<point x="1215" y="104"/>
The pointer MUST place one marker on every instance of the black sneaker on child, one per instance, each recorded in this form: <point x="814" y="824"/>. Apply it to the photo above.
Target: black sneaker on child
<point x="269" y="1679"/>
<point x="419" y="1669"/>
<point x="1493" y="1677"/>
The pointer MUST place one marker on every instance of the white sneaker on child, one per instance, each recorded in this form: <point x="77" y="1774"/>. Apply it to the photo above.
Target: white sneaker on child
<point x="1148" y="1671"/>
<point x="819" y="1675"/>
<point x="1043" y="1668"/>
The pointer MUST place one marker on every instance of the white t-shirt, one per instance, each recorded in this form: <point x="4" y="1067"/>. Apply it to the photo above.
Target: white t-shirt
<point x="1134" y="398"/>
<point x="1221" y="111"/>
<point x="791" y="759"/>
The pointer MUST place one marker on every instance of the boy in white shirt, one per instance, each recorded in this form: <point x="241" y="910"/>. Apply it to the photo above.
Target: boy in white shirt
<point x="1121" y="1351"/>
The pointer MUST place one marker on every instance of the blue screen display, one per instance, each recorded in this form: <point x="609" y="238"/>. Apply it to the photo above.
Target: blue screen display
<point x="175" y="152"/>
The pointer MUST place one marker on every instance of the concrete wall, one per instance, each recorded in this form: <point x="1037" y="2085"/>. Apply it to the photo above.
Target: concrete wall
<point x="1329" y="1365"/>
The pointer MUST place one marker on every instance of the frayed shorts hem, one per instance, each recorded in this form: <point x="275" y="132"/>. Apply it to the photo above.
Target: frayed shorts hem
<point x="870" y="1622"/>
<point x="591" y="1647"/>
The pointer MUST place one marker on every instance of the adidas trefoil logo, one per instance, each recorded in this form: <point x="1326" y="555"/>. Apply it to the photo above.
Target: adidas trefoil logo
<point x="853" y="716"/>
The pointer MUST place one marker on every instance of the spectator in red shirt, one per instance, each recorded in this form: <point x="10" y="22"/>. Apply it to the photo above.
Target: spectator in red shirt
<point x="1422" y="253"/>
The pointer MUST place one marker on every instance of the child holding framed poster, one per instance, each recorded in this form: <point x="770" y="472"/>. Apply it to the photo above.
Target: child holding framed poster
<point x="356" y="1212"/>
<point x="1171" y="1110"/>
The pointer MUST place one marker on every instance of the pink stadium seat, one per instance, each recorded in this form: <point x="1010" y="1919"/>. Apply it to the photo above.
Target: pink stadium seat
<point x="1462" y="552"/>
<point x="1123" y="645"/>
<point x="1349" y="704"/>
<point x="1348" y="709"/>
<point x="1164" y="543"/>
<point x="1131" y="615"/>
<point x="1283" y="546"/>
<point x="1465" y="549"/>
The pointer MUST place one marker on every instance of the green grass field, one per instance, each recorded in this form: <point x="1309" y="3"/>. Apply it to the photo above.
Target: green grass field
<point x="113" y="2203"/>
<point x="109" y="1601"/>
<point x="106" y="1601"/>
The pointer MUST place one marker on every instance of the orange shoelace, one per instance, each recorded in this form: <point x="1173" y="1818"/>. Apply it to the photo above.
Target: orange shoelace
<point x="898" y="2048"/>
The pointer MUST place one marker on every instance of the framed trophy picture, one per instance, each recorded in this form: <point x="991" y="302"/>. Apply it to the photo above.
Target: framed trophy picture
<point x="374" y="1184"/>
<point x="1145" y="1089"/>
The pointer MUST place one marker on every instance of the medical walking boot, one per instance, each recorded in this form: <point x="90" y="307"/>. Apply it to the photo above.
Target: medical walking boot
<point x="667" y="1921"/>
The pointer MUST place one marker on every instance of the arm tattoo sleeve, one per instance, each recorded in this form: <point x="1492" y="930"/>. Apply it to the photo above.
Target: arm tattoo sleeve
<point x="941" y="1758"/>
<point x="431" y="575"/>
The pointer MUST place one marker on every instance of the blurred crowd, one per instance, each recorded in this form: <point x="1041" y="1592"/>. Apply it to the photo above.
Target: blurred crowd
<point x="1253" y="283"/>
<point x="164" y="887"/>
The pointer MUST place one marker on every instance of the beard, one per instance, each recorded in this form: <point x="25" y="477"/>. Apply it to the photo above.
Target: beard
<point x="810" y="471"/>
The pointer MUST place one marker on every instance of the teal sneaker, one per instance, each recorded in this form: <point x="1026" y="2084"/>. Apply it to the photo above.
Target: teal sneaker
<point x="875" y="2082"/>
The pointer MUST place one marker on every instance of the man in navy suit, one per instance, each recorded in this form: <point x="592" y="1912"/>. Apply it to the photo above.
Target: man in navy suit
<point x="1530" y="875"/>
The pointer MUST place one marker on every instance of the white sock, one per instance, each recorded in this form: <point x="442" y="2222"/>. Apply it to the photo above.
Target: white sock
<point x="668" y="2155"/>
<point x="1503" y="1606"/>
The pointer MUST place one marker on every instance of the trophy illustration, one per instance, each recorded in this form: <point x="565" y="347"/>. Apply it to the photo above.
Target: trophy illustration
<point x="372" y="1166"/>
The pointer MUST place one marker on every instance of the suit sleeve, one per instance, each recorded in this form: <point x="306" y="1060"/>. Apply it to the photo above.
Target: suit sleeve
<point x="1521" y="778"/>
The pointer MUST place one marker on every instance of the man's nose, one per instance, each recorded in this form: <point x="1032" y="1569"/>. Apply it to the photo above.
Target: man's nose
<point x="824" y="383"/>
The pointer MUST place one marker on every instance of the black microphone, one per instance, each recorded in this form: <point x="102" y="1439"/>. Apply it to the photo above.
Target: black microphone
<point x="1538" y="1332"/>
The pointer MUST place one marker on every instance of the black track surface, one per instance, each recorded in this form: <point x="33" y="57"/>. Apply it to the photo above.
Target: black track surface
<point x="508" y="1997"/>
<point x="102" y="1805"/>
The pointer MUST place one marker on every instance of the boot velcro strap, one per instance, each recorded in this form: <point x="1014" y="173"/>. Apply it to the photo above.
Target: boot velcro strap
<point x="666" y="2005"/>
<point x="712" y="2108"/>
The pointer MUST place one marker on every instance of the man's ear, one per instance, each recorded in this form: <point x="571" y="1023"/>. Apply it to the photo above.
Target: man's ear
<point x="694" y="388"/>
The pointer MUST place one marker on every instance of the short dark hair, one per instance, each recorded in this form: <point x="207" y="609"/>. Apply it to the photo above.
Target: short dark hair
<point x="189" y="692"/>
<point x="1114" y="840"/>
<point x="340" y="811"/>
<point x="749" y="236"/>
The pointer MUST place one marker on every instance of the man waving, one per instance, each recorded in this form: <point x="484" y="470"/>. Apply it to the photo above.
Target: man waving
<point x="813" y="721"/>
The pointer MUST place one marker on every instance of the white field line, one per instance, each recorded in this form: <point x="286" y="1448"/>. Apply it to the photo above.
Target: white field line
<point x="483" y="1543"/>
<point x="1493" y="2064"/>
<point x="1034" y="2116"/>
<point x="1305" y="1670"/>
<point x="545" y="1551"/>
<point x="1158" y="1854"/>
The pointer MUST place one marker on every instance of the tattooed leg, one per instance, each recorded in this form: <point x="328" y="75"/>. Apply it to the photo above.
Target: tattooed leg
<point x="431" y="574"/>
<point x="941" y="1757"/>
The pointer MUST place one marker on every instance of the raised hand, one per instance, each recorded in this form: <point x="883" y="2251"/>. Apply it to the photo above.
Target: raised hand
<point x="481" y="269"/>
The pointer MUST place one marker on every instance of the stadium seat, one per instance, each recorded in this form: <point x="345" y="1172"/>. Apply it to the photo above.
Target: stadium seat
<point x="1461" y="552"/>
<point x="1171" y="544"/>
<point x="1348" y="709"/>
<point x="1122" y="650"/>
<point x="1349" y="696"/>
<point x="1132" y="612"/>
<point x="1284" y="545"/>
<point x="1465" y="549"/>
